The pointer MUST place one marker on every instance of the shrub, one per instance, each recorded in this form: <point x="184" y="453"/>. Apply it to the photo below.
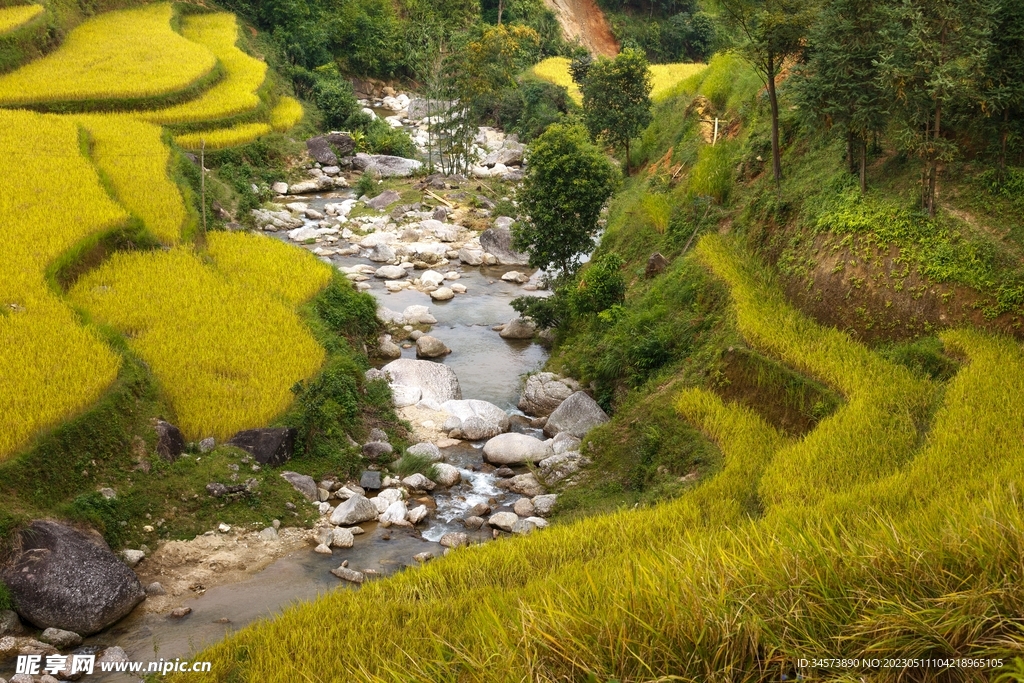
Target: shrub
<point x="599" y="286"/>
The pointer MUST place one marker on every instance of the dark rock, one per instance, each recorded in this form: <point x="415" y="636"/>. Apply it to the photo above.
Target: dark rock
<point x="378" y="434"/>
<point x="342" y="142"/>
<point x="170" y="443"/>
<point x="377" y="450"/>
<point x="304" y="484"/>
<point x="270" y="446"/>
<point x="10" y="625"/>
<point x="576" y="415"/>
<point x="656" y="265"/>
<point x="370" y="480"/>
<point x="504" y="472"/>
<point x="479" y="510"/>
<point x="63" y="578"/>
<point x="346" y="574"/>
<point x="383" y="200"/>
<point x="321" y="150"/>
<point x="61" y="639"/>
<point x="180" y="612"/>
<point x="498" y="241"/>
<point x="440" y="214"/>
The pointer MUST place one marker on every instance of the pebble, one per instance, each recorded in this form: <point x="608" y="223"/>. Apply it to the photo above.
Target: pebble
<point x="180" y="612"/>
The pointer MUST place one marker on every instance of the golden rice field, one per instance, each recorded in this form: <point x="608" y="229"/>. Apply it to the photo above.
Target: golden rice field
<point x="235" y="93"/>
<point x="664" y="77"/>
<point x="225" y="347"/>
<point x="134" y="157"/>
<point x="723" y="583"/>
<point x="13" y="18"/>
<point x="124" y="55"/>
<point x="268" y="266"/>
<point x="50" y="366"/>
<point x="222" y="138"/>
<point x="286" y="115"/>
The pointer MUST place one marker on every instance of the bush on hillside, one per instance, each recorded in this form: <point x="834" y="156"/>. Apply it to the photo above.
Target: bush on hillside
<point x="599" y="287"/>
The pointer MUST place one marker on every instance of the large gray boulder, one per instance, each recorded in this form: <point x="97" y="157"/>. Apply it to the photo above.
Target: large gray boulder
<point x="498" y="241"/>
<point x="383" y="200"/>
<point x="544" y="392"/>
<point x="63" y="578"/>
<point x="436" y="382"/>
<point x="302" y="483"/>
<point x="576" y="416"/>
<point x="323" y="147"/>
<point x="519" y="328"/>
<point x="271" y="446"/>
<point x="425" y="449"/>
<point x="478" y="419"/>
<point x="516" y="449"/>
<point x="386" y="166"/>
<point x="431" y="347"/>
<point x="510" y="154"/>
<point x="355" y="510"/>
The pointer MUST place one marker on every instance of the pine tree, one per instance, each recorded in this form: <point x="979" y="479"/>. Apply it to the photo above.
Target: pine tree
<point x="841" y="83"/>
<point x="933" y="62"/>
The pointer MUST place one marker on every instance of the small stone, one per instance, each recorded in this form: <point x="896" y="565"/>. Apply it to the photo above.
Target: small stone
<point x="207" y="444"/>
<point x="180" y="612"/>
<point x="342" y="538"/>
<point x="523" y="507"/>
<point x="523" y="527"/>
<point x="503" y="520"/>
<point x="108" y="493"/>
<point x="223" y="528"/>
<point x="61" y="639"/>
<point x="276" y="524"/>
<point x="323" y="549"/>
<point x="504" y="472"/>
<point x="447" y="475"/>
<point x="370" y="479"/>
<point x="454" y="539"/>
<point x="419" y="482"/>
<point x="417" y="514"/>
<point x="269" y="534"/>
<point x="132" y="557"/>
<point x="347" y="574"/>
<point x="442" y="294"/>
<point x="473" y="523"/>
<point x="155" y="589"/>
<point x="544" y="504"/>
<point x="423" y="557"/>
<point x="431" y="347"/>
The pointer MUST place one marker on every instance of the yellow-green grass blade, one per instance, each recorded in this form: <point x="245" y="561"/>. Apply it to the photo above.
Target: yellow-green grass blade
<point x="236" y="93"/>
<point x="124" y="55"/>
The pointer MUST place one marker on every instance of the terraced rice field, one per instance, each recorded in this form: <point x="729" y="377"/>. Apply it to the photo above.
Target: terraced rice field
<point x="225" y="346"/>
<point x="50" y="366"/>
<point x="286" y="115"/>
<point x="126" y="55"/>
<point x="13" y="18"/>
<point x="243" y="75"/>
<point x="223" y="137"/>
<point x="664" y="77"/>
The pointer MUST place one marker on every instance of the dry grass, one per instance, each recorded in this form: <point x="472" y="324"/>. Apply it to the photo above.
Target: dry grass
<point x="13" y="18"/>
<point x="125" y="55"/>
<point x="235" y="93"/>
<point x="225" y="345"/>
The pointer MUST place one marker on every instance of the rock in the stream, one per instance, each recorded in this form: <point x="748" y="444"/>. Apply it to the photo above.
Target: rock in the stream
<point x="523" y="527"/>
<point x="370" y="479"/>
<point x="503" y="520"/>
<point x="418" y="315"/>
<point x="170" y="443"/>
<point x="62" y="578"/>
<point x="523" y="484"/>
<point x="417" y="514"/>
<point x="323" y="549"/>
<point x="390" y="273"/>
<point x="498" y="241"/>
<point x="544" y="392"/>
<point x="544" y="504"/>
<point x="505" y="472"/>
<point x="515" y="276"/>
<point x="61" y="639"/>
<point x="419" y="482"/>
<point x="270" y="446"/>
<point x="515" y="449"/>
<point x="279" y="187"/>
<point x="436" y="382"/>
<point x="454" y="539"/>
<point x="346" y="574"/>
<point x="395" y="514"/>
<point x="382" y="253"/>
<point x="564" y="442"/>
<point x="447" y="475"/>
<point x="342" y="538"/>
<point x="389" y="349"/>
<point x="474" y="522"/>
<point x="383" y="200"/>
<point x="523" y="507"/>
<point x="431" y="347"/>
<point x="10" y="625"/>
<point x="355" y="510"/>
<point x="471" y="257"/>
<point x="304" y="484"/>
<point x="519" y="328"/>
<point x="576" y="416"/>
<point x="558" y="467"/>
<point x="425" y="449"/>
<point x="442" y="294"/>
<point x="386" y="166"/>
<point x="478" y="419"/>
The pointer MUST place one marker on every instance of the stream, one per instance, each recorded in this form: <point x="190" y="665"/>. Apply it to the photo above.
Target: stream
<point x="488" y="367"/>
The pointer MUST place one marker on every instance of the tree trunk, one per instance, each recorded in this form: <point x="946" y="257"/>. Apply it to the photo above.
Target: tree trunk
<point x="501" y="7"/>
<point x="627" y="158"/>
<point x="774" y="100"/>
<point x="863" y="165"/>
<point x="1003" y="135"/>
<point x="933" y="161"/>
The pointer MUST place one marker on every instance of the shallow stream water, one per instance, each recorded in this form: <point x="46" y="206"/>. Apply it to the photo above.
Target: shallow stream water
<point x="488" y="367"/>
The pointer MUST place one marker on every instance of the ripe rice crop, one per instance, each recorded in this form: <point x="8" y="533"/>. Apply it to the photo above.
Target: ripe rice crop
<point x="286" y="115"/>
<point x="242" y="134"/>
<point x="226" y="347"/>
<point x="134" y="157"/>
<point x="124" y="55"/>
<point x="869" y="437"/>
<point x="664" y="77"/>
<point x="268" y="266"/>
<point x="50" y="366"/>
<point x="12" y="18"/>
<point x="235" y="93"/>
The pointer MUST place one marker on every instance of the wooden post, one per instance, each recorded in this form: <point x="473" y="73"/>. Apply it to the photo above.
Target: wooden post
<point x="202" y="176"/>
<point x="714" y="140"/>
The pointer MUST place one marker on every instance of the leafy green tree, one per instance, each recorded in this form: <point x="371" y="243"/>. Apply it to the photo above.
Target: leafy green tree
<point x="567" y="182"/>
<point x="599" y="286"/>
<point x="774" y="31"/>
<point x="1004" y="72"/>
<point x="617" y="98"/>
<point x="841" y="82"/>
<point x="933" y="62"/>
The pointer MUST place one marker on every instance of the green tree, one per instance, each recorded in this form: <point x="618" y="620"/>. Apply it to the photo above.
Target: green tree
<point x="774" y="31"/>
<point x="567" y="182"/>
<point x="933" y="62"/>
<point x="617" y="98"/>
<point x="841" y="83"/>
<point x="1004" y="71"/>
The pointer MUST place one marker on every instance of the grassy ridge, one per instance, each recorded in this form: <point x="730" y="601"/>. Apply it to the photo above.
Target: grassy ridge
<point x="124" y="55"/>
<point x="726" y="583"/>
<point x="225" y="346"/>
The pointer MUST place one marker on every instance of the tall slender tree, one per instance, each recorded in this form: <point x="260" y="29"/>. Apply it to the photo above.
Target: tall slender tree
<point x="840" y="81"/>
<point x="1004" y="72"/>
<point x="934" y="61"/>
<point x="617" y="98"/>
<point x="774" y="30"/>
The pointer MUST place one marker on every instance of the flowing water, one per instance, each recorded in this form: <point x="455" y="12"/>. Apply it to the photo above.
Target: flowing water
<point x="488" y="367"/>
